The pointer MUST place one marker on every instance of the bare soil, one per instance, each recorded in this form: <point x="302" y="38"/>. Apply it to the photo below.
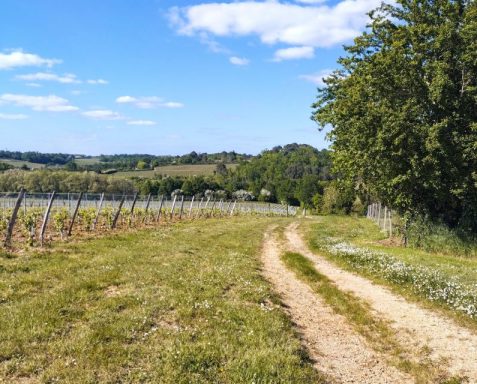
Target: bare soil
<point x="336" y="349"/>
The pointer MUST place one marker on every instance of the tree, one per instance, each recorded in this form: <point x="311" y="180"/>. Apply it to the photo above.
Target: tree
<point x="403" y="109"/>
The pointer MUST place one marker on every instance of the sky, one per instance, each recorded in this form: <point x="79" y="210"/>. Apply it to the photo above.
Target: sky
<point x="161" y="77"/>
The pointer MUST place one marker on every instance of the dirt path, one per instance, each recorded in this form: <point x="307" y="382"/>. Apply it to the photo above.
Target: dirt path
<point x="338" y="351"/>
<point x="416" y="327"/>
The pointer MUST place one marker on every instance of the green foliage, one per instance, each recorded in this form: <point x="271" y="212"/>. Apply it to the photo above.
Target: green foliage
<point x="60" y="220"/>
<point x="403" y="110"/>
<point x="87" y="216"/>
<point x="29" y="220"/>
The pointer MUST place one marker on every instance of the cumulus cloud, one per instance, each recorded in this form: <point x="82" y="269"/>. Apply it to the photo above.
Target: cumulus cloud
<point x="67" y="78"/>
<point x="50" y="103"/>
<point x="275" y="22"/>
<point x="97" y="81"/>
<point x="317" y="78"/>
<point x="148" y="102"/>
<point x="18" y="58"/>
<point x="239" y="61"/>
<point x="294" y="53"/>
<point x="103" y="114"/>
<point x="141" y="122"/>
<point x="5" y="116"/>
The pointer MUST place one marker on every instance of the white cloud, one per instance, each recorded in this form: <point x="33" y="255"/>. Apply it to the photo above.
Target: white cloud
<point x="294" y="53"/>
<point x="241" y="61"/>
<point x="148" y="102"/>
<point x="276" y="22"/>
<point x="34" y="85"/>
<point x="6" y="116"/>
<point x="317" y="78"/>
<point x="141" y="122"/>
<point x="103" y="114"/>
<point x="50" y="103"/>
<point x="97" y="81"/>
<point x="19" y="58"/>
<point x="67" y="78"/>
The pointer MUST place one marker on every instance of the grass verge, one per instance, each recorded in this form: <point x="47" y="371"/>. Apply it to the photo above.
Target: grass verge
<point x="179" y="304"/>
<point x="376" y="331"/>
<point x="438" y="281"/>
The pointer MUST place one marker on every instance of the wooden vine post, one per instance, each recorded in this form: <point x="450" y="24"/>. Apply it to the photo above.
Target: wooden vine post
<point x="182" y="207"/>
<point x="133" y="203"/>
<point x="118" y="212"/>
<point x="11" y="222"/>
<point x="160" y="209"/>
<point x="232" y="211"/>
<point x="75" y="213"/>
<point x="45" y="218"/>
<point x="173" y="206"/>
<point x="101" y="199"/>
<point x="148" y="201"/>
<point x="191" y="206"/>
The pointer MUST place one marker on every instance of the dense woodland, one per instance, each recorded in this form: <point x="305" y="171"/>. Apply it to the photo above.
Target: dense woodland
<point x="403" y="111"/>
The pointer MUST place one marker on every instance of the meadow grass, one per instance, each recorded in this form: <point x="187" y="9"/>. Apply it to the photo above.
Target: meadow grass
<point x="20" y="163"/>
<point x="180" y="304"/>
<point x="364" y="234"/>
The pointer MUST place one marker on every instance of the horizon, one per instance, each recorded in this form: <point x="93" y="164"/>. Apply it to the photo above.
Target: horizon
<point x="163" y="77"/>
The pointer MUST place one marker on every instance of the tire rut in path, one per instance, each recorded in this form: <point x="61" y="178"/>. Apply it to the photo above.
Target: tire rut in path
<point x="416" y="327"/>
<point x="337" y="350"/>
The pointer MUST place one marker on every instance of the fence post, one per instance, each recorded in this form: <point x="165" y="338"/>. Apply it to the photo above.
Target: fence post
<point x="147" y="202"/>
<point x="212" y="208"/>
<point x="232" y="211"/>
<point x="182" y="207"/>
<point x="173" y="206"/>
<point x="158" y="217"/>
<point x="11" y="222"/>
<point x="116" y="216"/>
<point x="45" y="217"/>
<point x="390" y="224"/>
<point x="133" y="203"/>
<point x="191" y="205"/>
<point x="228" y="207"/>
<point x="379" y="214"/>
<point x="70" y="228"/>
<point x="101" y="199"/>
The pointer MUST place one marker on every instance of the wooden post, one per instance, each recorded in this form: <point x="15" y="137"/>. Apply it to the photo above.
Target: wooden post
<point x="73" y="218"/>
<point x="11" y="222"/>
<point x="232" y="211"/>
<point x="385" y="217"/>
<point x="160" y="208"/>
<point x="148" y="201"/>
<point x="45" y="217"/>
<point x="212" y="208"/>
<point x="191" y="206"/>
<point x="182" y="207"/>
<point x="101" y="199"/>
<point x="379" y="214"/>
<point x="133" y="203"/>
<point x="173" y="206"/>
<point x="118" y="212"/>
<point x="228" y="207"/>
<point x="199" y="207"/>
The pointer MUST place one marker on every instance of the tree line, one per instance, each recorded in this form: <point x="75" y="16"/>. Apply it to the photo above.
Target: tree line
<point x="296" y="174"/>
<point x="403" y="110"/>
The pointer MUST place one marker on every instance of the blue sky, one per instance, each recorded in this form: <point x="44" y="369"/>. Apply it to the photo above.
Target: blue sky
<point x="163" y="77"/>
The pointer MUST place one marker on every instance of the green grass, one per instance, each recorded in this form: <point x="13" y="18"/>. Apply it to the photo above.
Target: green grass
<point x="174" y="170"/>
<point x="364" y="233"/>
<point x="87" y="161"/>
<point x="180" y="304"/>
<point x="20" y="163"/>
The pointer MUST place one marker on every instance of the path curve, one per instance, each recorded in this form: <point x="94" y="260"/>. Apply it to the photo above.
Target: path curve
<point x="337" y="350"/>
<point x="416" y="327"/>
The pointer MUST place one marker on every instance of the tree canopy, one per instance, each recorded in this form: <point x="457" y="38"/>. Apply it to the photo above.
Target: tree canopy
<point x="403" y="110"/>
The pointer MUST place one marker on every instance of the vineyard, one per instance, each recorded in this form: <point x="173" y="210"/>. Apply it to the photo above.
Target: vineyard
<point x="37" y="219"/>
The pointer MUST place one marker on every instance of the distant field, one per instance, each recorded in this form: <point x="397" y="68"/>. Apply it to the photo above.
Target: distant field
<point x="175" y="170"/>
<point x="91" y="161"/>
<point x="19" y="163"/>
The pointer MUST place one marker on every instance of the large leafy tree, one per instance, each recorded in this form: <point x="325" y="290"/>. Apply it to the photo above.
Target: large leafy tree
<point x="403" y="109"/>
